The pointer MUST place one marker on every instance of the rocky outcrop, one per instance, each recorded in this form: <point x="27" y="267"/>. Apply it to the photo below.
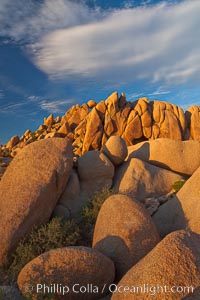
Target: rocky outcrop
<point x="90" y="125"/>
<point x="30" y="189"/>
<point x="73" y="267"/>
<point x="124" y="232"/>
<point x="164" y="272"/>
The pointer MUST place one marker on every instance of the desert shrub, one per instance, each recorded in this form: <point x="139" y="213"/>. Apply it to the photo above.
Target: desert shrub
<point x="178" y="185"/>
<point x="89" y="214"/>
<point x="55" y="234"/>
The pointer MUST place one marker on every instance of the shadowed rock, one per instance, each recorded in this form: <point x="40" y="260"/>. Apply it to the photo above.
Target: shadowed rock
<point x="183" y="210"/>
<point x="124" y="232"/>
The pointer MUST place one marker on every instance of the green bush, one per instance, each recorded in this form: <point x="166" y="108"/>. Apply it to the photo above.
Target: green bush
<point x="56" y="234"/>
<point x="89" y="215"/>
<point x="178" y="185"/>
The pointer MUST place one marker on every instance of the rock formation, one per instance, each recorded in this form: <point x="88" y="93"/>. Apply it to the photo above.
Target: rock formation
<point x="90" y="125"/>
<point x="144" y="151"/>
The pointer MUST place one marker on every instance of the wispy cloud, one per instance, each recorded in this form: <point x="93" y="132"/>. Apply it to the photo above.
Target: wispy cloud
<point x="133" y="96"/>
<point x="56" y="106"/>
<point x="157" y="43"/>
<point x="12" y="108"/>
<point x="159" y="91"/>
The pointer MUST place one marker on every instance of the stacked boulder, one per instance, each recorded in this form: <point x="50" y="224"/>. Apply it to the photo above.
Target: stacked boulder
<point x="90" y="125"/>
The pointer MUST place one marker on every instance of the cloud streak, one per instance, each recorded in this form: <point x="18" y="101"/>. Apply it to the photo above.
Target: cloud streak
<point x="55" y="106"/>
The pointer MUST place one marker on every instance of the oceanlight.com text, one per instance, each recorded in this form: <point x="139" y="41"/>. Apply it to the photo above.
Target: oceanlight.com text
<point x="150" y="289"/>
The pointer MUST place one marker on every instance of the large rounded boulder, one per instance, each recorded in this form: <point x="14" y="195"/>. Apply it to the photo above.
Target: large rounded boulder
<point x="84" y="273"/>
<point x="140" y="180"/>
<point x="170" y="271"/>
<point x="124" y="232"/>
<point x="30" y="189"/>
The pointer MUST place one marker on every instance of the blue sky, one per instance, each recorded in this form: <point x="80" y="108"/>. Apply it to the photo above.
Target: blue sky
<point x="56" y="53"/>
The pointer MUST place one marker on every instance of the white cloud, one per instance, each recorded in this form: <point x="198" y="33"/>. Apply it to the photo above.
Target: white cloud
<point x="154" y="44"/>
<point x="159" y="91"/>
<point x="28" y="20"/>
<point x="157" y="43"/>
<point x="55" y="106"/>
<point x="11" y="108"/>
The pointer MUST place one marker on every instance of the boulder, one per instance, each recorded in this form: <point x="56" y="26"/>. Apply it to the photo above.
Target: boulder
<point x="96" y="173"/>
<point x="179" y="156"/>
<point x="91" y="103"/>
<point x="141" y="180"/>
<point x="193" y="116"/>
<point x="61" y="211"/>
<point x="183" y="210"/>
<point x="13" y="142"/>
<point x="115" y="149"/>
<point x="124" y="232"/>
<point x="133" y="128"/>
<point x="93" y="132"/>
<point x="75" y="115"/>
<point x="53" y="135"/>
<point x="95" y="164"/>
<point x="30" y="189"/>
<point x="49" y="120"/>
<point x="72" y="267"/>
<point x="170" y="271"/>
<point x="64" y="129"/>
<point x="70" y="199"/>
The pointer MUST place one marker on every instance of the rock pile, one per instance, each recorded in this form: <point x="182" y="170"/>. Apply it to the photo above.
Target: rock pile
<point x="42" y="181"/>
<point x="90" y="125"/>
